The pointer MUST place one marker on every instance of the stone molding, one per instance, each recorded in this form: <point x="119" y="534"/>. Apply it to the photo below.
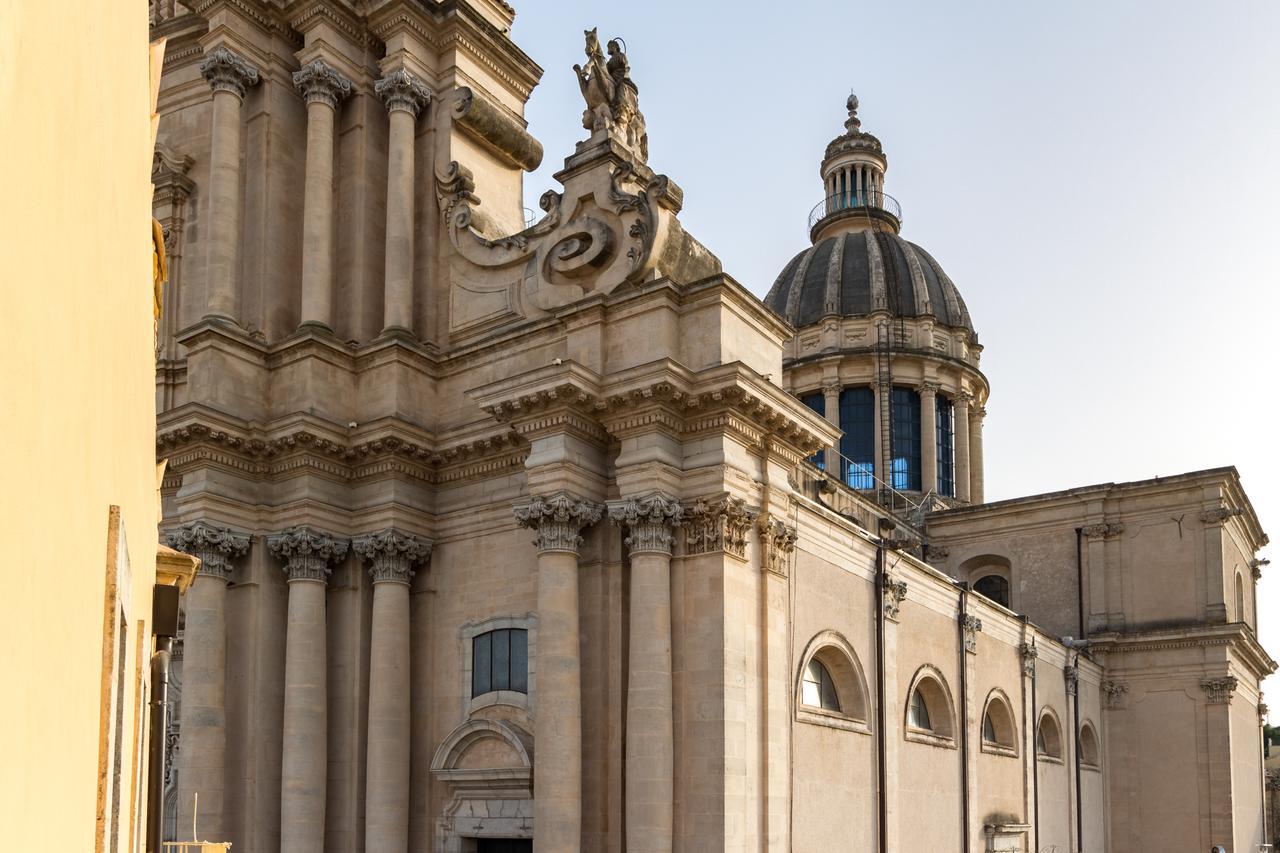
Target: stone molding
<point x="320" y="82"/>
<point x="1263" y="710"/>
<point x="937" y="552"/>
<point x="895" y="592"/>
<point x="1219" y="515"/>
<point x="558" y="519"/>
<point x="777" y="541"/>
<point x="392" y="554"/>
<point x="214" y="546"/>
<point x="307" y="552"/>
<point x="401" y="90"/>
<point x="1114" y="694"/>
<point x="1029" y="653"/>
<point x="1102" y="531"/>
<point x="651" y="521"/>
<point x="1071" y="673"/>
<point x="228" y="72"/>
<point x="971" y="625"/>
<point x="1219" y="690"/>
<point x="1255" y="567"/>
<point x="719" y="523"/>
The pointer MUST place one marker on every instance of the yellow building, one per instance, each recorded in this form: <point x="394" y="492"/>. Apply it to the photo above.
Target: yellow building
<point x="79" y="506"/>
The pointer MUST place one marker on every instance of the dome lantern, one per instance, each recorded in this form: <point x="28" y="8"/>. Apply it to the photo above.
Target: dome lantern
<point x="853" y="182"/>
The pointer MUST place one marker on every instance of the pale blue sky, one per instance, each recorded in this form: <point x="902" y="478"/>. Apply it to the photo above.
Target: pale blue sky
<point x="1097" y="178"/>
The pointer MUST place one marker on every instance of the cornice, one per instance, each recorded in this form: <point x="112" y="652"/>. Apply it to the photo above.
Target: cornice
<point x="1236" y="636"/>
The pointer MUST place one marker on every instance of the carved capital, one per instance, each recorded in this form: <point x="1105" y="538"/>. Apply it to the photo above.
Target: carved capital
<point x="971" y="625"/>
<point x="1071" y="673"/>
<point x="831" y="387"/>
<point x="927" y="389"/>
<point x="895" y="592"/>
<point x="650" y="520"/>
<point x="1219" y="515"/>
<point x="1263" y="710"/>
<point x="558" y="519"/>
<point x="400" y="90"/>
<point x="718" y="523"/>
<point x="391" y="554"/>
<point x="319" y="82"/>
<point x="307" y="553"/>
<point x="1219" y="690"/>
<point x="1029" y="654"/>
<point x="1255" y="567"/>
<point x="963" y="398"/>
<point x="1114" y="694"/>
<point x="228" y="72"/>
<point x="1102" y="531"/>
<point x="215" y="547"/>
<point x="777" y="541"/>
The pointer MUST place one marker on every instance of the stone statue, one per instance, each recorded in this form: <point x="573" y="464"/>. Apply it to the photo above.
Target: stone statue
<point x="613" y="102"/>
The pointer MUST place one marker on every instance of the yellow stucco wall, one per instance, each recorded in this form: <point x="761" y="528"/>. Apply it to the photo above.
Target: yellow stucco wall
<point x="77" y="381"/>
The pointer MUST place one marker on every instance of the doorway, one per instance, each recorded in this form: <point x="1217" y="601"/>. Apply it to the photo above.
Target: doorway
<point x="504" y="845"/>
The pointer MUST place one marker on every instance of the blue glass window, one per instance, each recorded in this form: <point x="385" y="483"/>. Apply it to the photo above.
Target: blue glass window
<point x="946" y="447"/>
<point x="500" y="661"/>
<point x="905" y="472"/>
<point x="817" y="402"/>
<point x="858" y="444"/>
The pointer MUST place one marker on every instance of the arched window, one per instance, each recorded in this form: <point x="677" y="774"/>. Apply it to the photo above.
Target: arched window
<point x="500" y="661"/>
<point x="1089" y="746"/>
<point x="930" y="712"/>
<point x="1241" y="614"/>
<point x="1048" y="736"/>
<point x="993" y="587"/>
<point x="831" y="690"/>
<point x="858" y="444"/>
<point x="817" y="402"/>
<point x="905" y="471"/>
<point x="999" y="734"/>
<point x="946" y="435"/>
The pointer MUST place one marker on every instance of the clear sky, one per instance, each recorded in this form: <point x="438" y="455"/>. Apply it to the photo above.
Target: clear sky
<point x="1098" y="179"/>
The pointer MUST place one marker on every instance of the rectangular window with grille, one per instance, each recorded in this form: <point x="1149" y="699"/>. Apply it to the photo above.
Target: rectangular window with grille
<point x="858" y="444"/>
<point x="946" y="447"/>
<point x="500" y="661"/>
<point x="905" y="476"/>
<point x="817" y="402"/>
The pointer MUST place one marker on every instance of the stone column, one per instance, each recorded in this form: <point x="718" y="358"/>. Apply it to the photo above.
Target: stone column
<point x="976" y="417"/>
<point x="230" y="76"/>
<point x="650" y="521"/>
<point x="202" y="754"/>
<point x="928" y="437"/>
<point x="405" y="97"/>
<point x="831" y="406"/>
<point x="961" y="416"/>
<point x="392" y="556"/>
<point x="323" y="88"/>
<point x="557" y="770"/>
<point x="304" y="768"/>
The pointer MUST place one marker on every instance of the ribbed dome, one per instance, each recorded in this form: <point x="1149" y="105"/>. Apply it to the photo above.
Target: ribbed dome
<point x="835" y="277"/>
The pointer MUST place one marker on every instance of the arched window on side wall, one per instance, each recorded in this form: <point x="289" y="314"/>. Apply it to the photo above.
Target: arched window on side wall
<point x="1242" y="615"/>
<point x="1048" y="737"/>
<point x="930" y="715"/>
<point x="905" y="473"/>
<point x="818" y="402"/>
<point x="993" y="587"/>
<point x="946" y="433"/>
<point x="858" y="444"/>
<point x="999" y="732"/>
<point x="1089" y="753"/>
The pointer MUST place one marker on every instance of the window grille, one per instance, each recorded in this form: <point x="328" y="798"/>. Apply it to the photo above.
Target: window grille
<point x="858" y="444"/>
<point x="500" y="661"/>
<point x="946" y="447"/>
<point x="905" y="473"/>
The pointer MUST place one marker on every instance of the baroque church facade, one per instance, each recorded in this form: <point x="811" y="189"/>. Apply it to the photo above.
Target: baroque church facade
<point x="550" y="535"/>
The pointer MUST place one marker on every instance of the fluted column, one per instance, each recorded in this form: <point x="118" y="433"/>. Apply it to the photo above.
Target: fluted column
<point x="392" y="556"/>
<point x="831" y="408"/>
<point x="650" y="521"/>
<point x="929" y="437"/>
<point x="558" y="520"/>
<point x="230" y="76"/>
<point x="324" y="89"/>
<point x="976" y="486"/>
<point x="405" y="97"/>
<point x="202" y="752"/>
<point x="961" y="416"/>
<point x="307" y="555"/>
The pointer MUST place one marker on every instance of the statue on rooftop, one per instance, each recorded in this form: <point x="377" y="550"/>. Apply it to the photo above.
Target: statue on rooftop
<point x="613" y="102"/>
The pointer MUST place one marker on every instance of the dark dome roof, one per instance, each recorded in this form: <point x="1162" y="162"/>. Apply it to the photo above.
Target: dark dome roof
<point x="835" y="277"/>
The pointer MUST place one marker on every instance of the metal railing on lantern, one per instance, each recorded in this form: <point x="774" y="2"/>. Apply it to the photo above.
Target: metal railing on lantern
<point x="855" y="200"/>
<point x="859" y="479"/>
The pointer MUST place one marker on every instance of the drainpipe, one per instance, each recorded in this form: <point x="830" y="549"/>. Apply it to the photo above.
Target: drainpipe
<point x="881" y="715"/>
<point x="156" y="758"/>
<point x="1035" y="757"/>
<point x="964" y="717"/>
<point x="1079" y="800"/>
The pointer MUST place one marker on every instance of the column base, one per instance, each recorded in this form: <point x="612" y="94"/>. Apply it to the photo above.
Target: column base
<point x="315" y="326"/>
<point x="399" y="332"/>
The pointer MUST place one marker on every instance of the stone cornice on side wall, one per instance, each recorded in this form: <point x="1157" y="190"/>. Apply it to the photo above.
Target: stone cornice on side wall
<point x="1240" y="638"/>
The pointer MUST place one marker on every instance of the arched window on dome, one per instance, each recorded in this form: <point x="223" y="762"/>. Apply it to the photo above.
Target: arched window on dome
<point x="817" y="402"/>
<point x="946" y="432"/>
<point x="858" y="444"/>
<point x="993" y="587"/>
<point x="905" y="472"/>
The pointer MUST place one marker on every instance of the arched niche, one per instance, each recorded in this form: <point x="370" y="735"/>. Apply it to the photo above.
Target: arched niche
<point x="487" y="766"/>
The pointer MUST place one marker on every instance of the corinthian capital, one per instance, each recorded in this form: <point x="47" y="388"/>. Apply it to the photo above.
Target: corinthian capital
<point x="718" y="523"/>
<point x="558" y="519"/>
<point x="228" y="72"/>
<point x="320" y="82"/>
<point x="307" y="553"/>
<point x="400" y="90"/>
<point x="215" y="547"/>
<point x="392" y="554"/>
<point x="650" y="520"/>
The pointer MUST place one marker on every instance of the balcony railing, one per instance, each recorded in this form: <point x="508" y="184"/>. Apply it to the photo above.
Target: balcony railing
<point x="873" y="199"/>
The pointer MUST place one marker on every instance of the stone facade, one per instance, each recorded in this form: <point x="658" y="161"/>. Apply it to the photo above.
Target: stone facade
<point x="532" y="551"/>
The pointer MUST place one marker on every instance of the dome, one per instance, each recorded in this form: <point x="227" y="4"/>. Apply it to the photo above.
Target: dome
<point x="845" y="275"/>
